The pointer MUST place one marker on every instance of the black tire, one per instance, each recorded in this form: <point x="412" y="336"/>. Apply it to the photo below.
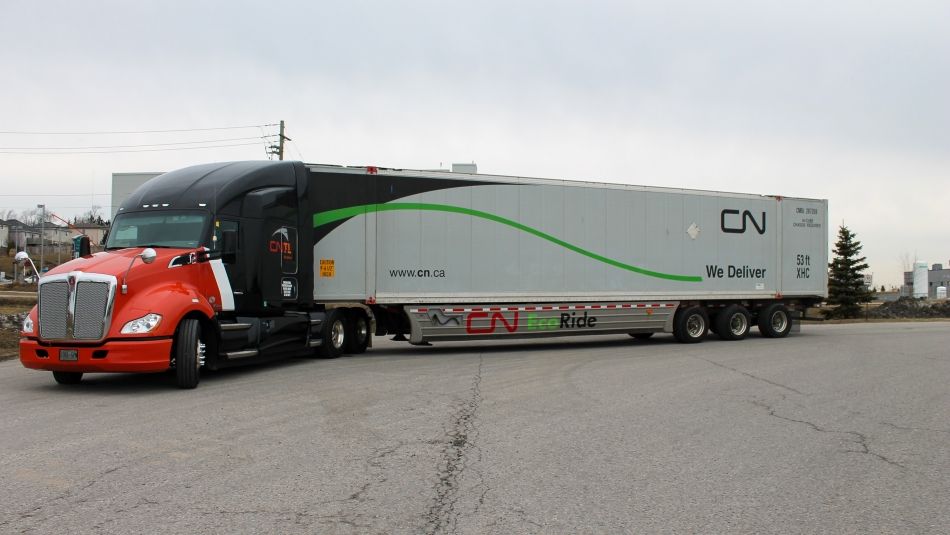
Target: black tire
<point x="188" y="351"/>
<point x="775" y="321"/>
<point x="691" y="325"/>
<point x="641" y="336"/>
<point x="334" y="334"/>
<point x="67" y="378"/>
<point x="733" y="323"/>
<point x="357" y="340"/>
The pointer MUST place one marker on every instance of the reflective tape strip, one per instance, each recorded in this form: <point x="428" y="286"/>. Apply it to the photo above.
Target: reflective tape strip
<point x="224" y="284"/>
<point x="533" y="308"/>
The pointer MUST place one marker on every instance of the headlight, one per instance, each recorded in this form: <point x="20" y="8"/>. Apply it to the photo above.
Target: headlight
<point x="145" y="324"/>
<point x="28" y="324"/>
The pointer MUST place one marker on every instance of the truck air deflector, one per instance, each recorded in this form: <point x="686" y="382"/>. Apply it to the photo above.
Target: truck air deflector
<point x="330" y="216"/>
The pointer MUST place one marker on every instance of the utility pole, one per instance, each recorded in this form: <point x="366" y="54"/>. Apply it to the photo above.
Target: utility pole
<point x="42" y="235"/>
<point x="279" y="148"/>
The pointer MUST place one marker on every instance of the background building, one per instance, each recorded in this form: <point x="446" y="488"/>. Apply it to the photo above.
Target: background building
<point x="123" y="184"/>
<point x="937" y="276"/>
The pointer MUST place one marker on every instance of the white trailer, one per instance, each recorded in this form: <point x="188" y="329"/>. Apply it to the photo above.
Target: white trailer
<point x="454" y="256"/>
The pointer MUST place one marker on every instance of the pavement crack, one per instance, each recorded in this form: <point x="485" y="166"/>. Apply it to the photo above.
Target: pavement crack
<point x="857" y="438"/>
<point x="459" y="442"/>
<point x="907" y="428"/>
<point x="752" y="376"/>
<point x="35" y="514"/>
<point x="358" y="495"/>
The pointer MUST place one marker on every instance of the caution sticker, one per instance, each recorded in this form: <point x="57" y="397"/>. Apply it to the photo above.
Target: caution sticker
<point x="327" y="267"/>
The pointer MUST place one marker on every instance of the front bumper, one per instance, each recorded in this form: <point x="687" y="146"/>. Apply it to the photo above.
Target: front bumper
<point x="129" y="356"/>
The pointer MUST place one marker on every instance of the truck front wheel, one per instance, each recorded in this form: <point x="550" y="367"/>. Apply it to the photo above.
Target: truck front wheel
<point x="691" y="325"/>
<point x="189" y="353"/>
<point x="775" y="321"/>
<point x="334" y="334"/>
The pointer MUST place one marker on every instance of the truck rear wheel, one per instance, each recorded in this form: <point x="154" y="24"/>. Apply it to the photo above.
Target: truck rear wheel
<point x="67" y="378"/>
<point x="732" y="323"/>
<point x="334" y="334"/>
<point x="775" y="321"/>
<point x="357" y="340"/>
<point x="691" y="325"/>
<point x="189" y="353"/>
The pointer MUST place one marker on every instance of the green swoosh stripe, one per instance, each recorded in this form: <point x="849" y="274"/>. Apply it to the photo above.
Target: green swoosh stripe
<point x="322" y="218"/>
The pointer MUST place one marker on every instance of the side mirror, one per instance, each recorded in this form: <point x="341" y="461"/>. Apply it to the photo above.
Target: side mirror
<point x="23" y="257"/>
<point x="229" y="239"/>
<point x="148" y="255"/>
<point x="84" y="247"/>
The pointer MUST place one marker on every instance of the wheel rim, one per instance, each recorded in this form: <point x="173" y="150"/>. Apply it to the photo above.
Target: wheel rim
<point x="738" y="324"/>
<point x="779" y="321"/>
<point x="199" y="354"/>
<point x="695" y="326"/>
<point x="337" y="334"/>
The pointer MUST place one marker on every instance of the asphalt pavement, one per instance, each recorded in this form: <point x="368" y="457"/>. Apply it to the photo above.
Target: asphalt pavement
<point x="839" y="428"/>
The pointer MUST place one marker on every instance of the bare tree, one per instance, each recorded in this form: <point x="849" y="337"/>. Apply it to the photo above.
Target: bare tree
<point x="905" y="260"/>
<point x="92" y="216"/>
<point x="31" y="216"/>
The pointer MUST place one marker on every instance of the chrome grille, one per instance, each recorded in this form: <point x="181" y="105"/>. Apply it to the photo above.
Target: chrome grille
<point x="54" y="309"/>
<point x="75" y="306"/>
<point x="92" y="299"/>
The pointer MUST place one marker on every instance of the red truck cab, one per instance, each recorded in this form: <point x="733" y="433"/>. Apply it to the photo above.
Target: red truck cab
<point x="195" y="274"/>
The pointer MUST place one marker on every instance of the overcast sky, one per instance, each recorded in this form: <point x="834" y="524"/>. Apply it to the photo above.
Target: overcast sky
<point x="844" y="100"/>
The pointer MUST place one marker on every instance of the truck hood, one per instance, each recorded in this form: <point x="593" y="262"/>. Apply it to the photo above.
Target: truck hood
<point x="117" y="262"/>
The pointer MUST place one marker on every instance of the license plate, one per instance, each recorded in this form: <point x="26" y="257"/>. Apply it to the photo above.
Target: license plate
<point x="68" y="354"/>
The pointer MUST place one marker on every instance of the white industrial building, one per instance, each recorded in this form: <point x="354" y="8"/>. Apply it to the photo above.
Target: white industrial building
<point x="923" y="282"/>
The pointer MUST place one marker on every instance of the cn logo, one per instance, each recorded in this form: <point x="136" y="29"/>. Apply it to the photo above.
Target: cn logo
<point x="496" y="316"/>
<point x="734" y="221"/>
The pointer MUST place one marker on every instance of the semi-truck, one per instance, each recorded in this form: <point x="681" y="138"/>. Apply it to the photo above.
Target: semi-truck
<point x="232" y="263"/>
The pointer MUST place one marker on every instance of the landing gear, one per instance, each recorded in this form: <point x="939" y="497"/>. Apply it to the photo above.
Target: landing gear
<point x="641" y="336"/>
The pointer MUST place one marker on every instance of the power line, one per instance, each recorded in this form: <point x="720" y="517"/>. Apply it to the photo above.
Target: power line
<point x="134" y="150"/>
<point x="141" y="145"/>
<point x="28" y="133"/>
<point x="54" y="194"/>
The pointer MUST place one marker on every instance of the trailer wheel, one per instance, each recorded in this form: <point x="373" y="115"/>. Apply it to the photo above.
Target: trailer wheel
<point x="334" y="334"/>
<point x="67" y="378"/>
<point x="732" y="323"/>
<point x="775" y="321"/>
<point x="641" y="336"/>
<point x="357" y="340"/>
<point x="189" y="353"/>
<point x="691" y="325"/>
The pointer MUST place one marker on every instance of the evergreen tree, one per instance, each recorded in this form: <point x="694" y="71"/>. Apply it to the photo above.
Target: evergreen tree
<point x="846" y="287"/>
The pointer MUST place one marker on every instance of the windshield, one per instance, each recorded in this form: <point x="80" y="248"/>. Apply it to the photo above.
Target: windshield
<point x="157" y="229"/>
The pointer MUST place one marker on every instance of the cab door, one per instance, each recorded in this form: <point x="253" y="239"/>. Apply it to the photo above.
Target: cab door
<point x="277" y="244"/>
<point x="279" y="270"/>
